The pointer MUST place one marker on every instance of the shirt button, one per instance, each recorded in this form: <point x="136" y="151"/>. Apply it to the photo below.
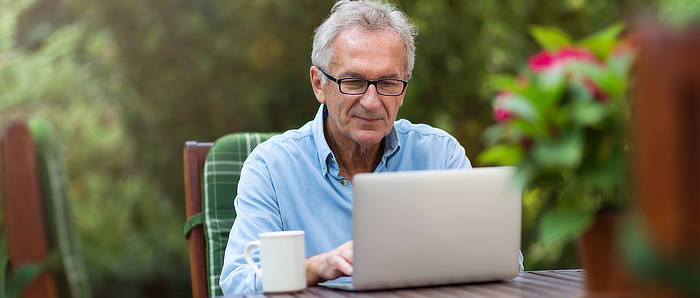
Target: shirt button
<point x="344" y="182"/>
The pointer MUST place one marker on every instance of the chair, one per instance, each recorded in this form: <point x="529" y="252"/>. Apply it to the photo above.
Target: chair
<point x="37" y="214"/>
<point x="211" y="172"/>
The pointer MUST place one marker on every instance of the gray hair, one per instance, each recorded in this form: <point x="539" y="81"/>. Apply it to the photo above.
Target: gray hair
<point x="368" y="15"/>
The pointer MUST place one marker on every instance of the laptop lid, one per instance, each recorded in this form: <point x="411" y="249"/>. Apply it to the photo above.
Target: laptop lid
<point x="424" y="228"/>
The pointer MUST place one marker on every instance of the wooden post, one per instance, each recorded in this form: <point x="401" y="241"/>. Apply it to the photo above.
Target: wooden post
<point x="666" y="130"/>
<point x="194" y="156"/>
<point x="23" y="210"/>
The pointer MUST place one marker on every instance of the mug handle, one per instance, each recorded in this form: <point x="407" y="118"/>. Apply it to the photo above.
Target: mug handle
<point x="249" y="259"/>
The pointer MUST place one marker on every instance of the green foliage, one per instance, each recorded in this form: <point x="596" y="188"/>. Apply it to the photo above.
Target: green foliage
<point x="602" y="43"/>
<point x="550" y="38"/>
<point x="562" y="225"/>
<point x="19" y="280"/>
<point x="680" y="13"/>
<point x="564" y="127"/>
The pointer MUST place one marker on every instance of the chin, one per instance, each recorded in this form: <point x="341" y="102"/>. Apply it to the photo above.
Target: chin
<point x="367" y="139"/>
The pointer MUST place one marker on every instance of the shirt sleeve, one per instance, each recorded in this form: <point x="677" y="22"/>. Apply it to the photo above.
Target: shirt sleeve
<point x="257" y="211"/>
<point x="456" y="156"/>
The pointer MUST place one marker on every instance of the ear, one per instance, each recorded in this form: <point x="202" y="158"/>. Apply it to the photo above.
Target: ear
<point x="317" y="83"/>
<point x="404" y="92"/>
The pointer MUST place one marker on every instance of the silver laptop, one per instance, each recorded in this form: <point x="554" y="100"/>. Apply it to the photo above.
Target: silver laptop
<point x="425" y="228"/>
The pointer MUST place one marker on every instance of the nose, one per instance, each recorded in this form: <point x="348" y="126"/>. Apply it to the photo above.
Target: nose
<point x="370" y="100"/>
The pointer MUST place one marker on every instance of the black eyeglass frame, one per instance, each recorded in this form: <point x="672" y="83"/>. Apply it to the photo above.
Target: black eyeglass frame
<point x="340" y="80"/>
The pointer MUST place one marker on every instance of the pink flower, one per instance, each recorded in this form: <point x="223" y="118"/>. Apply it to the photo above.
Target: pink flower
<point x="501" y="115"/>
<point x="541" y="61"/>
<point x="566" y="54"/>
<point x="545" y="60"/>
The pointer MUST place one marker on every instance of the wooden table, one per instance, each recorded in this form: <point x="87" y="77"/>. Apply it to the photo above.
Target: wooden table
<point x="550" y="283"/>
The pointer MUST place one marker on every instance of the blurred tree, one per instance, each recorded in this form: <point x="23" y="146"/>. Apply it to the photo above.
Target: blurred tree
<point x="202" y="69"/>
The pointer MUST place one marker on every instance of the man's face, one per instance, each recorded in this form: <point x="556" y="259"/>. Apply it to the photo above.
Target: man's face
<point x="366" y="118"/>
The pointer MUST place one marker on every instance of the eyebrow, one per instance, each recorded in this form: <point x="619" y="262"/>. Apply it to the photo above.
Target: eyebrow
<point x="354" y="74"/>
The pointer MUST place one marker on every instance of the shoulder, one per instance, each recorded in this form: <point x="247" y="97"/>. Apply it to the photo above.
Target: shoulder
<point x="421" y="131"/>
<point x="288" y="143"/>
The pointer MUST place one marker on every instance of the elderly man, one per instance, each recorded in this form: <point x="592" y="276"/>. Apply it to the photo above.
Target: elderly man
<point x="362" y="57"/>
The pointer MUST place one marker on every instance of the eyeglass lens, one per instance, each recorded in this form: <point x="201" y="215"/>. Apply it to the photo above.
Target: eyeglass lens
<point x="359" y="86"/>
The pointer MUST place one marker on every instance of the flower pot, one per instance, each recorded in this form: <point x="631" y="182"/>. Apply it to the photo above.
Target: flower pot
<point x="600" y="257"/>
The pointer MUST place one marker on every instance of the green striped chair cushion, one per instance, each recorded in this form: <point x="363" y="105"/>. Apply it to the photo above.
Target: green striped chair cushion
<point x="71" y="276"/>
<point x="222" y="170"/>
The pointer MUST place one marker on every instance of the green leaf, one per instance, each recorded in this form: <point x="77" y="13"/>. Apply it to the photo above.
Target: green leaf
<point x="501" y="82"/>
<point x="602" y="43"/>
<point x="620" y="64"/>
<point x="21" y="278"/>
<point x="613" y="85"/>
<point x="588" y="69"/>
<point x="552" y="84"/>
<point x="560" y="153"/>
<point x="501" y="155"/>
<point x="562" y="225"/>
<point x="588" y="112"/>
<point x="521" y="128"/>
<point x="4" y="259"/>
<point x="522" y="108"/>
<point x="550" y="38"/>
<point x="493" y="134"/>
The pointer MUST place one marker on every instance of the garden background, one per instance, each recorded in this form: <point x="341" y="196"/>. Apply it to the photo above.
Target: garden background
<point x="127" y="82"/>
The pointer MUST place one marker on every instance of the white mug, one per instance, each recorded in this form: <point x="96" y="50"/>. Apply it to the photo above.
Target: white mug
<point x="282" y="257"/>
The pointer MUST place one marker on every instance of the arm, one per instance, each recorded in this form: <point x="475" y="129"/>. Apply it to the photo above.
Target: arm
<point x="257" y="211"/>
<point x="456" y="156"/>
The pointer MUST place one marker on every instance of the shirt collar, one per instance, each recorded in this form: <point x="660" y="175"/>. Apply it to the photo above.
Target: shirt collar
<point x="321" y="145"/>
<point x="391" y="141"/>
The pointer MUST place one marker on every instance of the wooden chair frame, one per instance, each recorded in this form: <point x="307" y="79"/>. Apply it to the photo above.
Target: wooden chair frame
<point x="23" y="208"/>
<point x="194" y="156"/>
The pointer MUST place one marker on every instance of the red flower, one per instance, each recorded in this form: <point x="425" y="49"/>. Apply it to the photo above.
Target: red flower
<point x="501" y="115"/>
<point x="541" y="61"/>
<point x="566" y="54"/>
<point x="545" y="60"/>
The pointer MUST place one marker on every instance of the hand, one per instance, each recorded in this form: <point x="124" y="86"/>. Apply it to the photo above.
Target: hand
<point x="330" y="265"/>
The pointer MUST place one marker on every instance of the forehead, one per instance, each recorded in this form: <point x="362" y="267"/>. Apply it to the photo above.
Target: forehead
<point x="369" y="53"/>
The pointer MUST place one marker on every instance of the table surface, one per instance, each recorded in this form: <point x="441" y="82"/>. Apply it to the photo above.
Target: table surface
<point x="549" y="283"/>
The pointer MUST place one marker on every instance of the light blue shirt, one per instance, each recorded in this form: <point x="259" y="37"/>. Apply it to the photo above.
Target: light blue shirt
<point x="291" y="182"/>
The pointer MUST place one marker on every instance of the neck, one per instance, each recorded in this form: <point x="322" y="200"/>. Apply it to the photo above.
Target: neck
<point x="352" y="158"/>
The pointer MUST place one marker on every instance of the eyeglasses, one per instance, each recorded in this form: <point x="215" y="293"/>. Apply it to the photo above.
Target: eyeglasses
<point x="356" y="86"/>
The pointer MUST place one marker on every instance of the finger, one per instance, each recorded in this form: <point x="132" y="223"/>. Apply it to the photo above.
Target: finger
<point x="342" y="265"/>
<point x="346" y="251"/>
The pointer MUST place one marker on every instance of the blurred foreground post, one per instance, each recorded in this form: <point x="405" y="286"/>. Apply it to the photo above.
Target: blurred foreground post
<point x="666" y="160"/>
<point x="23" y="209"/>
